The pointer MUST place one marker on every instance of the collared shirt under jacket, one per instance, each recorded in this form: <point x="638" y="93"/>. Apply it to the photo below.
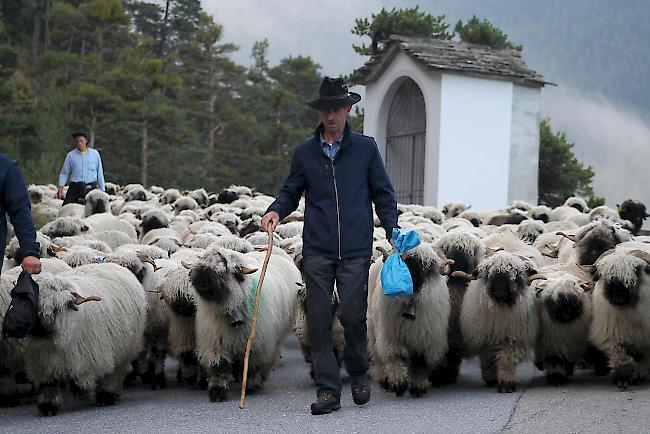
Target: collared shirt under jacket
<point x="14" y="201"/>
<point x="86" y="168"/>
<point x="338" y="195"/>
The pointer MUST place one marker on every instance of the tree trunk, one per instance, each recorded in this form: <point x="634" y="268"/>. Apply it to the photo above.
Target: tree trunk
<point x="163" y="31"/>
<point x="36" y="31"/>
<point x="46" y="28"/>
<point x="144" y="154"/>
<point x="93" y="126"/>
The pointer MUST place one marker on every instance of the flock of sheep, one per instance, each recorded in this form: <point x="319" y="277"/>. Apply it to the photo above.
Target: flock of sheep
<point x="137" y="275"/>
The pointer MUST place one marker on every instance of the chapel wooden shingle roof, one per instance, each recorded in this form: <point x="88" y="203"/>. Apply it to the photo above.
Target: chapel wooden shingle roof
<point x="452" y="56"/>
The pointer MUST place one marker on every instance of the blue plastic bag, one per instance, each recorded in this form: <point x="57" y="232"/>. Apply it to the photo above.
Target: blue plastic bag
<point x="395" y="277"/>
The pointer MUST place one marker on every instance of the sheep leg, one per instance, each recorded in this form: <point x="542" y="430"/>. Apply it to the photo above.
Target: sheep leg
<point x="556" y="370"/>
<point x="156" y="357"/>
<point x="623" y="366"/>
<point x="219" y="381"/>
<point x="507" y="360"/>
<point x="448" y="372"/>
<point x="488" y="361"/>
<point x="419" y="376"/>
<point x="8" y="390"/>
<point x="110" y="386"/>
<point x="188" y="368"/>
<point x="598" y="359"/>
<point x="397" y="374"/>
<point x="49" y="398"/>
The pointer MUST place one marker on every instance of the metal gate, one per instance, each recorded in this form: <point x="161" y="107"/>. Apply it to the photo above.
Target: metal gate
<point x="405" y="143"/>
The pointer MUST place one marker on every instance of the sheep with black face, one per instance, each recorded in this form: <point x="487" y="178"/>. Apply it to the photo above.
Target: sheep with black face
<point x="621" y="324"/>
<point x="97" y="202"/>
<point x="635" y="212"/>
<point x="153" y="219"/>
<point x="564" y="310"/>
<point x="467" y="251"/>
<point x="90" y="345"/>
<point x="225" y="282"/>
<point x="407" y="337"/>
<point x="498" y="317"/>
<point x="591" y="241"/>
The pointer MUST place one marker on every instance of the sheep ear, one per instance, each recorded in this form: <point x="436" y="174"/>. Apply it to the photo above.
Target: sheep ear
<point x="84" y="228"/>
<point x="587" y="285"/>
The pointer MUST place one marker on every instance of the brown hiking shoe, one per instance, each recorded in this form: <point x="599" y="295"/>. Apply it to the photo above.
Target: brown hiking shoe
<point x="326" y="403"/>
<point x="360" y="390"/>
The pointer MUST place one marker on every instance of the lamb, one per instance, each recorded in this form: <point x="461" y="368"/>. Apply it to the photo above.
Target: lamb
<point x="621" y="325"/>
<point x="90" y="345"/>
<point x="564" y="310"/>
<point x="96" y="202"/>
<point x="225" y="281"/>
<point x="498" y="318"/>
<point x="407" y="338"/>
<point x="467" y="251"/>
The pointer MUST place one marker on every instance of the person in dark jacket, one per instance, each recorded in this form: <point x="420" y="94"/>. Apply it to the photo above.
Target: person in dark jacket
<point x="341" y="174"/>
<point x="14" y="201"/>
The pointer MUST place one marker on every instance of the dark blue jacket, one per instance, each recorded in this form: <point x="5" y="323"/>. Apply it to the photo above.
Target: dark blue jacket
<point x="338" y="196"/>
<point x="14" y="201"/>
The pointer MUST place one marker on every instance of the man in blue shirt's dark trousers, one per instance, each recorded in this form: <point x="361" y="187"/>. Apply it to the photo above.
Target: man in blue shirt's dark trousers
<point x="14" y="201"/>
<point x="341" y="174"/>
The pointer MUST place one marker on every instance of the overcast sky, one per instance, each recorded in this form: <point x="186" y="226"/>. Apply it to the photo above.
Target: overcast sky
<point x="613" y="139"/>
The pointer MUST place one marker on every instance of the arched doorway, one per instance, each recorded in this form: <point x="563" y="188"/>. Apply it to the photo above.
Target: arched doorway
<point x="405" y="143"/>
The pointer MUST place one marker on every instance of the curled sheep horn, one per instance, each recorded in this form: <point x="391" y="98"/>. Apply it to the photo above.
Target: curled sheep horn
<point x="591" y="269"/>
<point x="187" y="265"/>
<point x="536" y="277"/>
<point x="78" y="299"/>
<point x="588" y="285"/>
<point x="189" y="228"/>
<point x="383" y="251"/>
<point x="148" y="260"/>
<point x="445" y="268"/>
<point x="464" y="275"/>
<point x="247" y="270"/>
<point x="571" y="237"/>
<point x="57" y="249"/>
<point x="641" y="254"/>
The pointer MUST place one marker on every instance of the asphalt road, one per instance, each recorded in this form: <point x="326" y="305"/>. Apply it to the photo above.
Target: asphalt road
<point x="590" y="404"/>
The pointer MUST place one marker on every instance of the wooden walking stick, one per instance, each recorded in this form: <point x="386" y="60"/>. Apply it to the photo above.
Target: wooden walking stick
<point x="258" y="291"/>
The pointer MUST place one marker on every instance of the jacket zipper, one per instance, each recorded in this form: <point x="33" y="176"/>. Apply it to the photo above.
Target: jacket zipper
<point x="338" y="217"/>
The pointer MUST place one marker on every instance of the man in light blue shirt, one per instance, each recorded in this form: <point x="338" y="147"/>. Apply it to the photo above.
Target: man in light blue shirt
<point x="83" y="167"/>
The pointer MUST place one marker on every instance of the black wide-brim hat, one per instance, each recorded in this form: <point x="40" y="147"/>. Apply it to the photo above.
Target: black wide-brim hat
<point x="333" y="94"/>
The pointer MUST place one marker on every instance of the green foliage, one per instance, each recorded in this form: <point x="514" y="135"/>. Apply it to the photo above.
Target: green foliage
<point x="153" y="84"/>
<point x="561" y="175"/>
<point x="404" y="22"/>
<point x="483" y="32"/>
